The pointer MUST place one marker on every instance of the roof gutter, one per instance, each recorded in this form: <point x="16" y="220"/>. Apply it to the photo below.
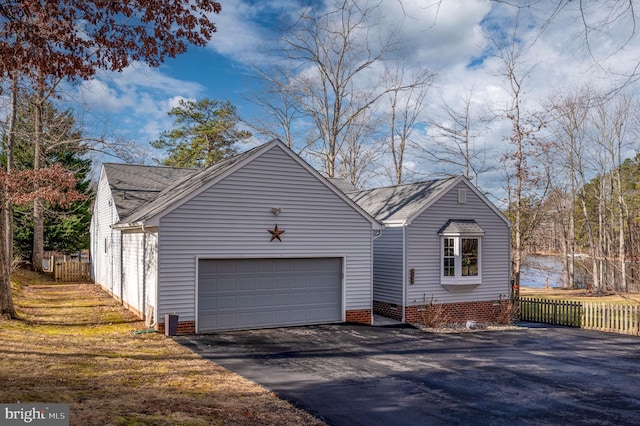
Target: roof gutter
<point x="128" y="226"/>
<point x="405" y="271"/>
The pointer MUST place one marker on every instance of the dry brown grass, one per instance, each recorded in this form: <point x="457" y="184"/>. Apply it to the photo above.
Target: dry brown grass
<point x="75" y="344"/>
<point x="580" y="295"/>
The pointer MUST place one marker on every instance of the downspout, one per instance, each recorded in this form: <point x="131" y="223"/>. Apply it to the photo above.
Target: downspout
<point x="121" y="268"/>
<point x="404" y="272"/>
<point x="144" y="275"/>
<point x="151" y="321"/>
<point x="376" y="234"/>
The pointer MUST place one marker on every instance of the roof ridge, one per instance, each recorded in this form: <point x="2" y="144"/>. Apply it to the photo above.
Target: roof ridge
<point x="188" y="183"/>
<point x="408" y="184"/>
<point x="156" y="166"/>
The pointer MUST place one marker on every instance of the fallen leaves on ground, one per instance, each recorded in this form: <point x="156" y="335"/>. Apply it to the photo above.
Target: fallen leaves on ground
<point x="75" y="344"/>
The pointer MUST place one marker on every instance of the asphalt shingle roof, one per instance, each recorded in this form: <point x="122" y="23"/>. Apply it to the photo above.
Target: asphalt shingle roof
<point x="459" y="226"/>
<point x="143" y="192"/>
<point x="397" y="204"/>
<point x="183" y="187"/>
<point x="343" y="184"/>
<point x="132" y="186"/>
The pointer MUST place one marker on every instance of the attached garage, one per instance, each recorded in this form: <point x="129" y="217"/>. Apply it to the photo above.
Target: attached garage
<point x="260" y="293"/>
<point x="258" y="240"/>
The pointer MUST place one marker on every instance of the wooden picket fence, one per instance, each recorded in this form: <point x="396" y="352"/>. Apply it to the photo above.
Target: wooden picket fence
<point x="72" y="271"/>
<point x="557" y="312"/>
<point x="624" y="319"/>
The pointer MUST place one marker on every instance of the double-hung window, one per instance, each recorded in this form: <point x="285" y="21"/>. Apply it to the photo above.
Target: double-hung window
<point x="461" y="253"/>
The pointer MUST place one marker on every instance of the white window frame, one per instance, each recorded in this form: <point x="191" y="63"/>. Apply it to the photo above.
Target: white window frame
<point x="458" y="279"/>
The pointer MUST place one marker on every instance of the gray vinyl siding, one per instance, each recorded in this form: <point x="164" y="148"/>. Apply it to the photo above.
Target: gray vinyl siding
<point x="388" y="266"/>
<point x="105" y="241"/>
<point x="151" y="271"/>
<point x="133" y="270"/>
<point x="231" y="219"/>
<point x="423" y="251"/>
<point x="138" y="270"/>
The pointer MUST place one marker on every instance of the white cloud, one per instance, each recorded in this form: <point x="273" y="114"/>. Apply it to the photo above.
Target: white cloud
<point x="438" y="35"/>
<point x="246" y="28"/>
<point x="442" y="36"/>
<point x="133" y="103"/>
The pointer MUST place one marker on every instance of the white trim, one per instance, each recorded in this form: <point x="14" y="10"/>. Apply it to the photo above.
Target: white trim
<point x="327" y="183"/>
<point x="343" y="308"/>
<point x="446" y="189"/>
<point x="404" y="272"/>
<point x="459" y="280"/>
<point x="189" y="195"/>
<point x="199" y="189"/>
<point x="431" y="202"/>
<point x="196" y="316"/>
<point x="462" y="196"/>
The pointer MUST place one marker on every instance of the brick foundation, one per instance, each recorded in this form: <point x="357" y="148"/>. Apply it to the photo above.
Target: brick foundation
<point x="485" y="311"/>
<point x="362" y="316"/>
<point x="388" y="310"/>
<point x="184" y="327"/>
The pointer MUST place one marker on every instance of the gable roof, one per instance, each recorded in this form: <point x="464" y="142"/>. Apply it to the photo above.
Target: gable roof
<point x="343" y="184"/>
<point x="193" y="183"/>
<point x="132" y="185"/>
<point x="401" y="204"/>
<point x="183" y="187"/>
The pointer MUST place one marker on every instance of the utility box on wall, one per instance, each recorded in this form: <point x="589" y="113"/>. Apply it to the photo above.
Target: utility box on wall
<point x="170" y="324"/>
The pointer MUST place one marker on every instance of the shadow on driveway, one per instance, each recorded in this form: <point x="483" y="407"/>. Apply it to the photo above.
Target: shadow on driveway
<point x="358" y="375"/>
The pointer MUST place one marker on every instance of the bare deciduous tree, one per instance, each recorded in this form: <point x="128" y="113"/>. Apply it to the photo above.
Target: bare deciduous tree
<point x="451" y="141"/>
<point x="519" y="161"/>
<point x="407" y="95"/>
<point x="609" y="122"/>
<point x="331" y="54"/>
<point x="281" y="111"/>
<point x="566" y="166"/>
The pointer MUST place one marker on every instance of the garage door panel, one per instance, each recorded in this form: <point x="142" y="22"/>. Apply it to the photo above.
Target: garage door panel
<point x="259" y="293"/>
<point x="225" y="302"/>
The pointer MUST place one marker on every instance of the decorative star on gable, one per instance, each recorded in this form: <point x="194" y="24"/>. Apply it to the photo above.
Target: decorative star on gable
<point x="275" y="233"/>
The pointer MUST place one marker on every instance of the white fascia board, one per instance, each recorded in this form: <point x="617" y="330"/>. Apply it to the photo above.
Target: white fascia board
<point x="473" y="188"/>
<point x="447" y="188"/>
<point x="374" y="223"/>
<point x="128" y="226"/>
<point x="155" y="220"/>
<point x="397" y="224"/>
<point x="484" y="198"/>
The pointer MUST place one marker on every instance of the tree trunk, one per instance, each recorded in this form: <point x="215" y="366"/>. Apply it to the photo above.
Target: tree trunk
<point x="7" y="308"/>
<point x="622" y="209"/>
<point x="38" y="206"/>
<point x="8" y="208"/>
<point x="592" y="248"/>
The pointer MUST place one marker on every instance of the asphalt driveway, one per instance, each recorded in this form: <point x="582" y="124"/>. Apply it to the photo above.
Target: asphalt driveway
<point x="360" y="375"/>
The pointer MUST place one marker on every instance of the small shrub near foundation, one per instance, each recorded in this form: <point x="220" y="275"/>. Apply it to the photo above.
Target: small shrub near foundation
<point x="432" y="314"/>
<point x="508" y="311"/>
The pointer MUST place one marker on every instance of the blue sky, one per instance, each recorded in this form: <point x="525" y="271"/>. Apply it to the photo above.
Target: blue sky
<point x="447" y="37"/>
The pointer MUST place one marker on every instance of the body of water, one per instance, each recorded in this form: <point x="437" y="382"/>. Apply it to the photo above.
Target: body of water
<point x="537" y="269"/>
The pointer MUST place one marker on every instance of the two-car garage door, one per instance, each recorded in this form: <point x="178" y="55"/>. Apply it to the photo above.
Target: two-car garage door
<point x="261" y="293"/>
